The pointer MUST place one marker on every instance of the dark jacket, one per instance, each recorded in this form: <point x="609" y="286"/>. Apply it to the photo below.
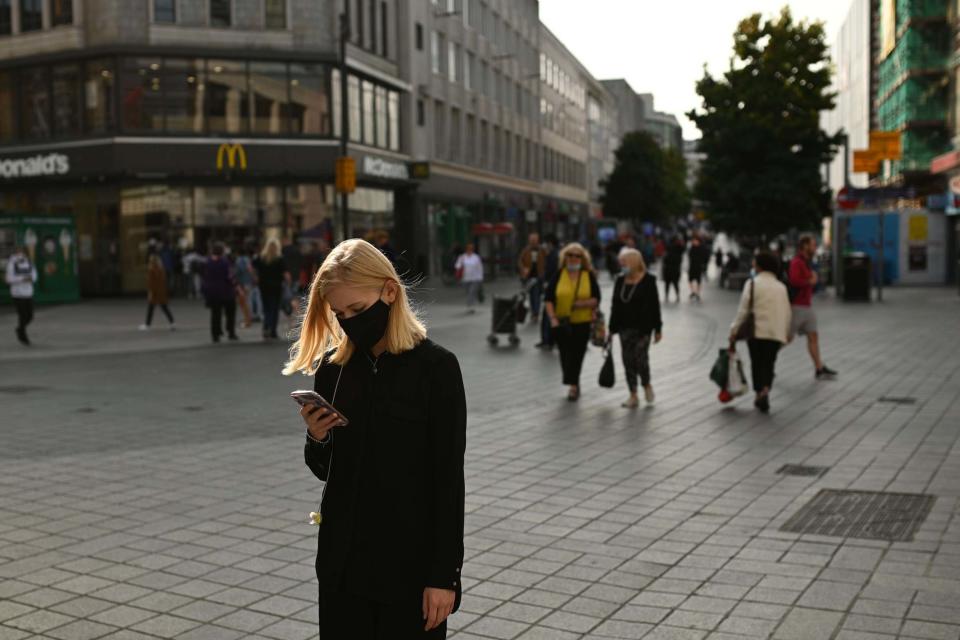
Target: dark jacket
<point x="393" y="510"/>
<point x="550" y="295"/>
<point x="641" y="310"/>
<point x="270" y="276"/>
<point x="698" y="256"/>
<point x="672" y="261"/>
<point x="218" y="284"/>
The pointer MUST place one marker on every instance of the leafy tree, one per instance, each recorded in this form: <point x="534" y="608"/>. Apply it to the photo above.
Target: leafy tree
<point x="761" y="129"/>
<point x="647" y="183"/>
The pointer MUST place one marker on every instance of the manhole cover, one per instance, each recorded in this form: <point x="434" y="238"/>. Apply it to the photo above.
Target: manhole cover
<point x="802" y="470"/>
<point x="15" y="388"/>
<point x="871" y="515"/>
<point x="897" y="399"/>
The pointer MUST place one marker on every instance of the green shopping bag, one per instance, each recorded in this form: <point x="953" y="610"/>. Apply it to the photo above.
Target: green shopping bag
<point x="721" y="368"/>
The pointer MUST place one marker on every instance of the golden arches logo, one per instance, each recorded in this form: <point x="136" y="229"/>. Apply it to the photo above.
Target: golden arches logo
<point x="233" y="152"/>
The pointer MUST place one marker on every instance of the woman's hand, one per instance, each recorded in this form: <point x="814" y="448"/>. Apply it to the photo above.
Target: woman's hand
<point x="554" y="322"/>
<point x="319" y="420"/>
<point x="437" y="605"/>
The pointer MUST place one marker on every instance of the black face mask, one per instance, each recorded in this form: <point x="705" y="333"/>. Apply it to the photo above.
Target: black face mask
<point x="366" y="328"/>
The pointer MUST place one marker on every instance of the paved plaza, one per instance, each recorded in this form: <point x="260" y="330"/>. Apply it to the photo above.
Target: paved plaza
<point x="152" y="485"/>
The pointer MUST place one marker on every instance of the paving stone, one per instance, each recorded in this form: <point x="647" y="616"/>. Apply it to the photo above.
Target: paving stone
<point x="802" y="624"/>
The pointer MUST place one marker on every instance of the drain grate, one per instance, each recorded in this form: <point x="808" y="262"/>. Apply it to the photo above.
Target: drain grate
<point x="802" y="470"/>
<point x="870" y="515"/>
<point x="897" y="399"/>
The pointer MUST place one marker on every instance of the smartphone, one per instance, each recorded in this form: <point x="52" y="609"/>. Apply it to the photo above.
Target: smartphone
<point x="304" y="397"/>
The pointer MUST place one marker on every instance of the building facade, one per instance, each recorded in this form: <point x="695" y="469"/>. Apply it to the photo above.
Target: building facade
<point x="664" y="127"/>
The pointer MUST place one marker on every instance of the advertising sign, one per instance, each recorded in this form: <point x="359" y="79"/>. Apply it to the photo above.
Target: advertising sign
<point x="51" y="245"/>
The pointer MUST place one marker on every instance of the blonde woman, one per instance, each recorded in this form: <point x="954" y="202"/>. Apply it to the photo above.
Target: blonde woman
<point x="572" y="298"/>
<point x="635" y="315"/>
<point x="390" y="540"/>
<point x="271" y="273"/>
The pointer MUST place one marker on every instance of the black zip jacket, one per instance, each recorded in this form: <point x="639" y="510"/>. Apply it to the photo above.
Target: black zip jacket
<point x="393" y="509"/>
<point x="641" y="312"/>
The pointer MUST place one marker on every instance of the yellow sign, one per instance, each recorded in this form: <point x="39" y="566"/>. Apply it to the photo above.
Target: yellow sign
<point x="918" y="229"/>
<point x="346" y="175"/>
<point x="234" y="153"/>
<point x="866" y="161"/>
<point x="886" y="143"/>
<point x="420" y="170"/>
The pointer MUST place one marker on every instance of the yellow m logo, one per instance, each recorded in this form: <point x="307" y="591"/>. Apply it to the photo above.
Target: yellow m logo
<point x="233" y="152"/>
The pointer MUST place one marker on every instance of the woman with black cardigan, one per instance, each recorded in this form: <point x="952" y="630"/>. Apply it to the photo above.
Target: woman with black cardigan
<point x="635" y="315"/>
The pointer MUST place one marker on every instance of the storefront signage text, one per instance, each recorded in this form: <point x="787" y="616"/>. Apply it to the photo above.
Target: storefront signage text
<point x="51" y="164"/>
<point x="380" y="168"/>
<point x="233" y="153"/>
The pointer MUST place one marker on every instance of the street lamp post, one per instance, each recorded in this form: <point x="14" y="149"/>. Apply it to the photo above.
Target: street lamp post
<point x="344" y="104"/>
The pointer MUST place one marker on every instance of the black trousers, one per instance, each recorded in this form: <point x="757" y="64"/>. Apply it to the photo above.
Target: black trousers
<point x="635" y="349"/>
<point x="671" y="281"/>
<point x="344" y="616"/>
<point x="163" y="307"/>
<point x="572" y="342"/>
<point x="763" y="358"/>
<point x="24" y="307"/>
<point x="227" y="308"/>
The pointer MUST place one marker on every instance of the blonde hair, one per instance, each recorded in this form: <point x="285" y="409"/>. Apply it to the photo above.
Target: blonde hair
<point x="271" y="250"/>
<point x="634" y="259"/>
<point x="577" y="247"/>
<point x="352" y="263"/>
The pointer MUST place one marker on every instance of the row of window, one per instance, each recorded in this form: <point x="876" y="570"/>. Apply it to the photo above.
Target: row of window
<point x="221" y="13"/>
<point x="555" y="118"/>
<point x="190" y="96"/>
<point x="560" y="81"/>
<point x="370" y="26"/>
<point x="563" y="169"/>
<point x="31" y="14"/>
<point x="461" y="138"/>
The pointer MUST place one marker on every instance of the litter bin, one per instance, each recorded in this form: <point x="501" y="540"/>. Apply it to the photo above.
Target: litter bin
<point x="856" y="276"/>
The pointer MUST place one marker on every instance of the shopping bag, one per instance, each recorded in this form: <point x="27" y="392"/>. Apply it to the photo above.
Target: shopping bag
<point x="736" y="380"/>
<point x="720" y="366"/>
<point x="607" y="376"/>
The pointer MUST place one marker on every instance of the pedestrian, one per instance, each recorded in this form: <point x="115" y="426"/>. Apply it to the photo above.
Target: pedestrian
<point x="672" y="260"/>
<point x="635" y="316"/>
<point x="766" y="297"/>
<point x="531" y="266"/>
<point x="193" y="263"/>
<point x="698" y="257"/>
<point x="572" y="299"/>
<point x="389" y="555"/>
<point x="246" y="281"/>
<point x="21" y="274"/>
<point x="551" y="264"/>
<point x="469" y="269"/>
<point x="271" y="275"/>
<point x="219" y="291"/>
<point x="157" y="291"/>
<point x="718" y="259"/>
<point x="802" y="279"/>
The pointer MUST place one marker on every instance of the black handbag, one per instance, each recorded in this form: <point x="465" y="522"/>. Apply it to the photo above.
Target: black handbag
<point x="607" y="376"/>
<point x="747" y="328"/>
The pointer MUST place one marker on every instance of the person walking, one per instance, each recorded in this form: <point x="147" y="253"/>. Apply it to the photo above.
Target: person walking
<point x="551" y="265"/>
<point x="20" y="276"/>
<point x="219" y="293"/>
<point x="698" y="257"/>
<point x="672" y="261"/>
<point x="766" y="298"/>
<point x="802" y="279"/>
<point x="531" y="265"/>
<point x="389" y="556"/>
<point x="246" y="281"/>
<point x="157" y="292"/>
<point x="635" y="316"/>
<point x="571" y="299"/>
<point x="469" y="267"/>
<point x="270" y="276"/>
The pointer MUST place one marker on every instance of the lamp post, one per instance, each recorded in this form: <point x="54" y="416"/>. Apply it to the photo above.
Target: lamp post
<point x="344" y="105"/>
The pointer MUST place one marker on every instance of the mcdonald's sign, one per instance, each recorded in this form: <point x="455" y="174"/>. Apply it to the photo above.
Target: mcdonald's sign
<point x="234" y="153"/>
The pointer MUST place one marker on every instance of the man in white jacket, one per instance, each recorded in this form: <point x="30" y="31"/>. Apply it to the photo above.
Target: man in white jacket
<point x="21" y="274"/>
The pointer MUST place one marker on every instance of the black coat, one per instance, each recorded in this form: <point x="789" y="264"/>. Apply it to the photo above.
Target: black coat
<point x="641" y="310"/>
<point x="393" y="510"/>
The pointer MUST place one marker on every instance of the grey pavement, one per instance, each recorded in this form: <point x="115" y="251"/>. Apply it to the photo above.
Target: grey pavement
<point x="152" y="485"/>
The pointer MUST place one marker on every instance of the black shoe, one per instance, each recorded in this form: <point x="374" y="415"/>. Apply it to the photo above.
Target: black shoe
<point x="216" y="338"/>
<point x="22" y="337"/>
<point x="762" y="403"/>
<point x="825" y="372"/>
<point x="233" y="336"/>
<point x="573" y="396"/>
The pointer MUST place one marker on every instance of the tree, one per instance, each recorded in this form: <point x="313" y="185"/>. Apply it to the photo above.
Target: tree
<point x="647" y="183"/>
<point x="761" y="129"/>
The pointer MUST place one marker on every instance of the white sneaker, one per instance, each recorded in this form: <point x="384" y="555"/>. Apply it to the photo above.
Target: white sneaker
<point x="630" y="403"/>
<point x="144" y="327"/>
<point x="648" y="394"/>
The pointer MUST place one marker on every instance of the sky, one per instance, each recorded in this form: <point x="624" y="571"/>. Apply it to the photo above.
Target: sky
<point x="660" y="46"/>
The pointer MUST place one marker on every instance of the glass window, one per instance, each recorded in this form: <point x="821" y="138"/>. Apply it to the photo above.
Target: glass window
<point x="368" y="123"/>
<point x="141" y="99"/>
<point x="31" y="15"/>
<point x="439" y="130"/>
<point x="227" y="108"/>
<point x="452" y="61"/>
<point x="372" y="17"/>
<point x="418" y="36"/>
<point x="7" y="118"/>
<point x="381" y="110"/>
<point x="353" y="106"/>
<point x="35" y="103"/>
<point x="165" y="11"/>
<point x="436" y="44"/>
<point x="358" y="33"/>
<point x="468" y="71"/>
<point x="66" y="99"/>
<point x="61" y="12"/>
<point x="421" y="113"/>
<point x="268" y="91"/>
<point x="184" y="86"/>
<point x="393" y="116"/>
<point x="6" y="24"/>
<point x="455" y="135"/>
<point x="309" y="103"/>
<point x="335" y="101"/>
<point x="276" y="14"/>
<point x="220" y="13"/>
<point x="98" y="96"/>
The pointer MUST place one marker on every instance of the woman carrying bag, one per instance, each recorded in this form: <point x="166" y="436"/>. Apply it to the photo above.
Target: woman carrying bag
<point x="390" y="536"/>
<point x="572" y="298"/>
<point x="635" y="315"/>
<point x="765" y="305"/>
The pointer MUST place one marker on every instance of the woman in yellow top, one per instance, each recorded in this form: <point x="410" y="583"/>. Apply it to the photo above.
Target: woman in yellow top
<point x="572" y="298"/>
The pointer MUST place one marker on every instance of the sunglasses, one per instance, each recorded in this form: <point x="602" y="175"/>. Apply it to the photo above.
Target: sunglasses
<point x="575" y="255"/>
